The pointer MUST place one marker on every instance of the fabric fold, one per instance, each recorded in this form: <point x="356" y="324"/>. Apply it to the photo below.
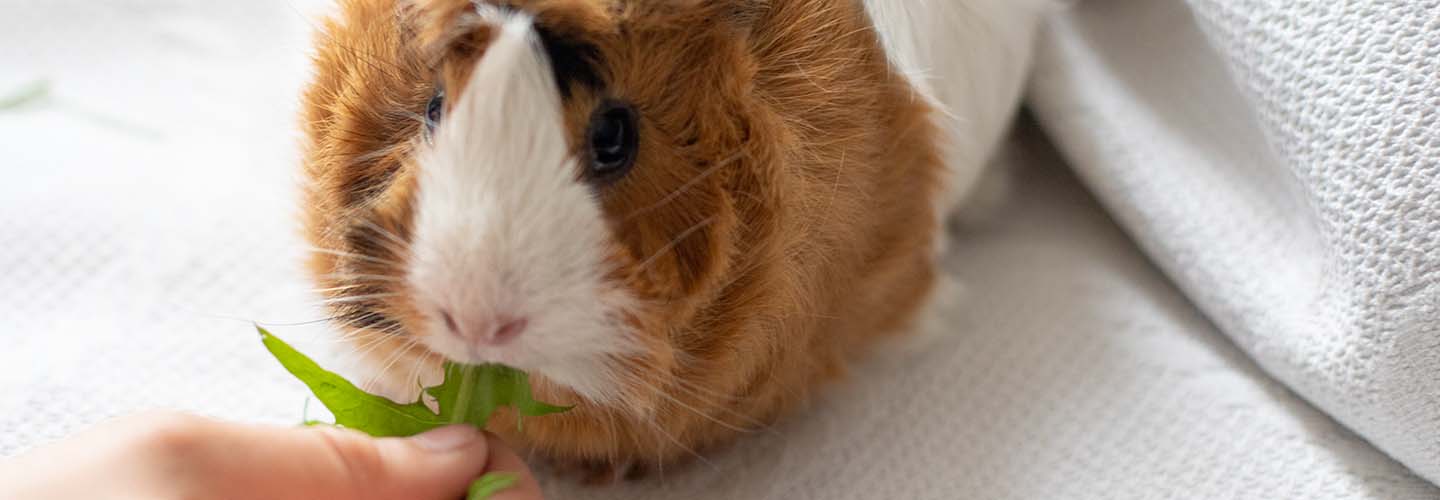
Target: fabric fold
<point x="1280" y="160"/>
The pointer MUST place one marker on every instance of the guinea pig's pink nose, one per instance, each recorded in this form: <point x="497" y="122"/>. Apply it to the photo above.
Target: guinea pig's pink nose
<point x="509" y="329"/>
<point x="500" y="330"/>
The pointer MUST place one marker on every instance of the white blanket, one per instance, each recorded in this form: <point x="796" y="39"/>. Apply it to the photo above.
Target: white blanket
<point x="1288" y="180"/>
<point x="146" y="216"/>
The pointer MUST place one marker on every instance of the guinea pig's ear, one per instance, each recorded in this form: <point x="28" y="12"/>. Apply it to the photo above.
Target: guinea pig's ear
<point x="741" y="15"/>
<point x="745" y="14"/>
<point x="444" y="29"/>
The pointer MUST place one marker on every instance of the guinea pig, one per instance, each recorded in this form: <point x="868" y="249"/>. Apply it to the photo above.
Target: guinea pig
<point x="682" y="217"/>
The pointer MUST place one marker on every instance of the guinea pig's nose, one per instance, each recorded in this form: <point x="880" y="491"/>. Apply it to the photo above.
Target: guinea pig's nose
<point x="508" y="329"/>
<point x="500" y="330"/>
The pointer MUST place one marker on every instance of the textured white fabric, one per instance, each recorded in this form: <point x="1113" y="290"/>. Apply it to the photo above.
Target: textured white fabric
<point x="146" y="216"/>
<point x="1318" y="250"/>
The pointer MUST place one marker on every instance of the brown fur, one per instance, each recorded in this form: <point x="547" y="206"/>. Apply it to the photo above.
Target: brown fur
<point x="775" y="138"/>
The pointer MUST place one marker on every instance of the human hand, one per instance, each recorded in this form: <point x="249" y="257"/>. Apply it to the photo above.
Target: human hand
<point x="179" y="456"/>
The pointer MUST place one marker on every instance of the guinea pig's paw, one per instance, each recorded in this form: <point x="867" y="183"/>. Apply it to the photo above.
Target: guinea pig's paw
<point x="597" y="473"/>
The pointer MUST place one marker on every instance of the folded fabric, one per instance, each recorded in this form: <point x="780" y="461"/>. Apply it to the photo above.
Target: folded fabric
<point x="1284" y="169"/>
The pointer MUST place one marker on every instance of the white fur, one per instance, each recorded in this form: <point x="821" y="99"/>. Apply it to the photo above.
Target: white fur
<point x="504" y="227"/>
<point x="969" y="58"/>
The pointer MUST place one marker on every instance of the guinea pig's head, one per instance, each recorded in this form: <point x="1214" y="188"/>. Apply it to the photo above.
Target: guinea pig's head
<point x="550" y="185"/>
<point x="626" y="199"/>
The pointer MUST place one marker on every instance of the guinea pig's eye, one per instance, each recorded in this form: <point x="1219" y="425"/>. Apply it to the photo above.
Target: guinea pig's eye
<point x="612" y="138"/>
<point x="434" y="112"/>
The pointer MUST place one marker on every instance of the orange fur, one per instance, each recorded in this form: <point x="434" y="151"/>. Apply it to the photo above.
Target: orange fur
<point x="776" y="140"/>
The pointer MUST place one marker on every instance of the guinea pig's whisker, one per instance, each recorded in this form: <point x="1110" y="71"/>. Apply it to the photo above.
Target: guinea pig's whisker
<point x="349" y="328"/>
<point x="717" y="395"/>
<point x="390" y="361"/>
<point x="357" y="298"/>
<point x="355" y="334"/>
<point x="370" y="345"/>
<point x="661" y="431"/>
<point x="637" y="441"/>
<point x="388" y="235"/>
<point x="715" y="400"/>
<point x="344" y="340"/>
<point x="376" y="319"/>
<point x="354" y="318"/>
<point x="361" y="350"/>
<point x="645" y="264"/>
<point x="687" y="185"/>
<point x="269" y="324"/>
<point x="364" y="339"/>
<point x="408" y="346"/>
<point x="362" y="278"/>
<point x="339" y="340"/>
<point x="353" y="255"/>
<point x="677" y="402"/>
<point x="326" y="291"/>
<point x="613" y="453"/>
<point x="419" y="364"/>
<point x="693" y="391"/>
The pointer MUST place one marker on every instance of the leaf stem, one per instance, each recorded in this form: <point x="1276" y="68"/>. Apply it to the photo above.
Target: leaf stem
<point x="467" y="390"/>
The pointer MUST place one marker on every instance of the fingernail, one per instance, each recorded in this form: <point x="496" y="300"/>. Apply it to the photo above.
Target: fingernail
<point x="447" y="438"/>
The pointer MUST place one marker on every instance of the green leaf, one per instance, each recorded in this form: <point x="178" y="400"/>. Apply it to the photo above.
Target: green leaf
<point x="490" y="484"/>
<point x="352" y="407"/>
<point x="488" y="387"/>
<point x="469" y="394"/>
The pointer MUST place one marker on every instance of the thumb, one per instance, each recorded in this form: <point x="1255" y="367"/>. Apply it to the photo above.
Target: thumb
<point x="334" y="463"/>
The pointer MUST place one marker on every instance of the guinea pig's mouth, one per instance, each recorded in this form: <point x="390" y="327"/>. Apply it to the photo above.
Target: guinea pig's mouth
<point x="400" y="365"/>
<point x="591" y="375"/>
<point x="579" y="344"/>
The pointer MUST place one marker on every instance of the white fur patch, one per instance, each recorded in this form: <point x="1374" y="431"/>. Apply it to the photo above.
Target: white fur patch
<point x="504" y="228"/>
<point x="969" y="58"/>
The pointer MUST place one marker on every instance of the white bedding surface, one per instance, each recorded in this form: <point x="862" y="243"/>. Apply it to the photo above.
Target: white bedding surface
<point x="146" y="218"/>
<point x="1288" y="180"/>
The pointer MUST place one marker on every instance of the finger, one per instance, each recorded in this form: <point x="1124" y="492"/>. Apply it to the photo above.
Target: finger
<point x="504" y="460"/>
<point x="337" y="463"/>
<point x="214" y="459"/>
